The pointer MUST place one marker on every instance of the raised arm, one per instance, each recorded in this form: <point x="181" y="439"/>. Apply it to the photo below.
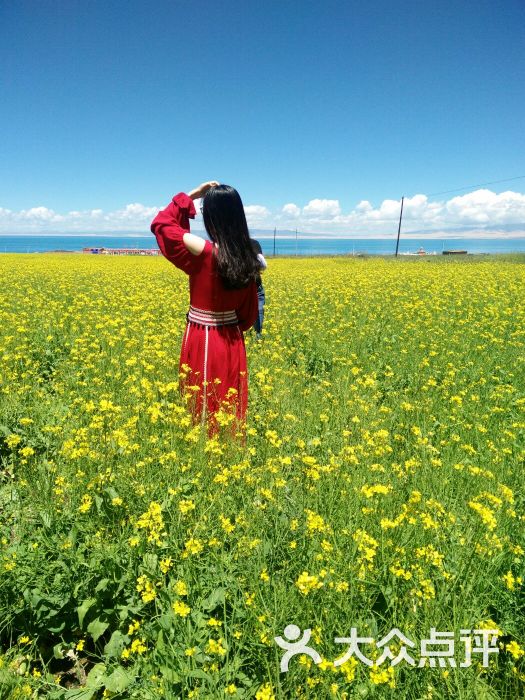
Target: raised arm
<point x="201" y="190"/>
<point x="171" y="227"/>
<point x="195" y="244"/>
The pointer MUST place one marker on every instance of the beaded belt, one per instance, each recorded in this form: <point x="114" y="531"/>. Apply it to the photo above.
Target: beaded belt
<point x="212" y="318"/>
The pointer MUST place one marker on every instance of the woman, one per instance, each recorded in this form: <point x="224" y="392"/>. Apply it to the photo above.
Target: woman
<point x="223" y="296"/>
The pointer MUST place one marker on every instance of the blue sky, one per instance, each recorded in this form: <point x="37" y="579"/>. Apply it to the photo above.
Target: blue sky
<point x="107" y="104"/>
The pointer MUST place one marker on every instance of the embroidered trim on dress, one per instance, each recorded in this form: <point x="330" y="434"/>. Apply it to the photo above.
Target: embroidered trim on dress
<point x="212" y="318"/>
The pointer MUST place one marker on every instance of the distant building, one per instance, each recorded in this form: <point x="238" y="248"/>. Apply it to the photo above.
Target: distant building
<point x="121" y="251"/>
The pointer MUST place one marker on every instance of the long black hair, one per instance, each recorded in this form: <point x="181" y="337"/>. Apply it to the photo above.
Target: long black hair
<point x="225" y="223"/>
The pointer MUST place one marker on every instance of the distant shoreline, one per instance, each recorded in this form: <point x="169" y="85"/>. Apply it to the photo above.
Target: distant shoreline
<point x="282" y="247"/>
<point x="359" y="256"/>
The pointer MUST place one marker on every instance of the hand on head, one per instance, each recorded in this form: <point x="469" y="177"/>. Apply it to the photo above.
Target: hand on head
<point x="201" y="190"/>
<point x="207" y="186"/>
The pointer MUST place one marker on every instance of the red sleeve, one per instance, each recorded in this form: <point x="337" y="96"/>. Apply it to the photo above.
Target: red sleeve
<point x="248" y="310"/>
<point x="169" y="227"/>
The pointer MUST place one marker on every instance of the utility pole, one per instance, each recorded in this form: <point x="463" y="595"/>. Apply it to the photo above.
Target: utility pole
<point x="274" y="233"/>
<point x="399" y="227"/>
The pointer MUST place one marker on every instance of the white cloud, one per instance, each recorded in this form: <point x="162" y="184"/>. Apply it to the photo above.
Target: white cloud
<point x="257" y="215"/>
<point x="133" y="217"/>
<point x="256" y="210"/>
<point x="135" y="212"/>
<point x="291" y="210"/>
<point x="322" y="208"/>
<point x="482" y="208"/>
<point x="39" y="214"/>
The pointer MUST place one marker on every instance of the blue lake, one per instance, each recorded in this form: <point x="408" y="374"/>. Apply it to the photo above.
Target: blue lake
<point x="283" y="246"/>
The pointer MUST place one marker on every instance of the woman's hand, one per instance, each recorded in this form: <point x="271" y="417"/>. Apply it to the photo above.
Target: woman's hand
<point x="201" y="190"/>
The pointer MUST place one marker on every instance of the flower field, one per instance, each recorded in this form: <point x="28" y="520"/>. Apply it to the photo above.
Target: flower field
<point x="380" y="486"/>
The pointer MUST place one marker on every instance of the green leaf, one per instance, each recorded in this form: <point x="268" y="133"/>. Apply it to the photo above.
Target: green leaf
<point x="115" y="645"/>
<point x="166" y="622"/>
<point x="124" y="612"/>
<point x="150" y="562"/>
<point x="80" y="694"/>
<point x="200" y="621"/>
<point x="118" y="680"/>
<point x="102" y="585"/>
<point x="51" y="694"/>
<point x="46" y="519"/>
<point x="169" y="674"/>
<point x="159" y="644"/>
<point x="57" y="629"/>
<point x="96" y="629"/>
<point x="96" y="676"/>
<point x="214" y="599"/>
<point x="72" y="535"/>
<point x="58" y="651"/>
<point x="111" y="492"/>
<point x="372" y="625"/>
<point x="82" y="610"/>
<point x="197" y="673"/>
<point x="32" y="596"/>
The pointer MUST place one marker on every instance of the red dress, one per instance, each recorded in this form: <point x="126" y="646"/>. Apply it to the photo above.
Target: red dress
<point x="213" y="354"/>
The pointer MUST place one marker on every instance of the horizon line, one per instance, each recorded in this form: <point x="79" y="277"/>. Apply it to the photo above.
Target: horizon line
<point x="306" y="236"/>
